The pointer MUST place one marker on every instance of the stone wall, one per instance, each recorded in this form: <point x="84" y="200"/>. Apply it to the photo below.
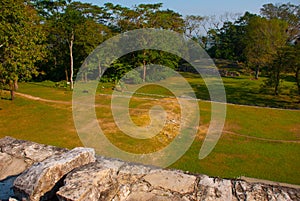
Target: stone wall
<point x="51" y="173"/>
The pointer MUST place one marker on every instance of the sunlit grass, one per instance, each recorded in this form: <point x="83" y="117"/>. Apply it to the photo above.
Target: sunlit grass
<point x="234" y="156"/>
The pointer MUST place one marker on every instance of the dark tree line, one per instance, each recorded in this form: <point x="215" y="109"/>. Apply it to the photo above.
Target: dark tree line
<point x="50" y="39"/>
<point x="269" y="41"/>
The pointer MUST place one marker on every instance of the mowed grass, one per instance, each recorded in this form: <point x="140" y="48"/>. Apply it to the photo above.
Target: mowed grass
<point x="233" y="156"/>
<point x="41" y="122"/>
<point x="244" y="90"/>
<point x="239" y="156"/>
<point x="241" y="90"/>
<point x="46" y="90"/>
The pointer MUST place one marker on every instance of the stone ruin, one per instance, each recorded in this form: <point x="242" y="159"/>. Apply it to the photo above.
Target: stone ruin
<point x="42" y="172"/>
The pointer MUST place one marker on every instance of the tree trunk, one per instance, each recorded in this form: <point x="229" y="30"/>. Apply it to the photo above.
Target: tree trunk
<point x="13" y="88"/>
<point x="144" y="68"/>
<point x="99" y="70"/>
<point x="67" y="76"/>
<point x="298" y="79"/>
<point x="85" y="77"/>
<point x="144" y="71"/>
<point x="12" y="94"/>
<point x="256" y="72"/>
<point x="71" y="61"/>
<point x="277" y="80"/>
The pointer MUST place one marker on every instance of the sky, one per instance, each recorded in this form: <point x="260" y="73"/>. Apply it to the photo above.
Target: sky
<point x="201" y="7"/>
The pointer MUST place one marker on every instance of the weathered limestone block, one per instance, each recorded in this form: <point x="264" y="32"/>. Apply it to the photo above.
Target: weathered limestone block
<point x="29" y="150"/>
<point x="17" y="155"/>
<point x="42" y="177"/>
<point x="257" y="191"/>
<point x="10" y="165"/>
<point x="150" y="196"/>
<point x="94" y="181"/>
<point x="5" y="141"/>
<point x="130" y="180"/>
<point x="214" y="189"/>
<point x="131" y="173"/>
<point x="172" y="180"/>
<point x="109" y="179"/>
<point x="105" y="179"/>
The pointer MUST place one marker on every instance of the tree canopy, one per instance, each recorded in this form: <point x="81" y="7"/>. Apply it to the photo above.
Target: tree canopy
<point x="50" y="39"/>
<point x="21" y="43"/>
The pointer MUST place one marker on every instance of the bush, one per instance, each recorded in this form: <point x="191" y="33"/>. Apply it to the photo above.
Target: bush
<point x="61" y="84"/>
<point x="132" y="77"/>
<point x="158" y="73"/>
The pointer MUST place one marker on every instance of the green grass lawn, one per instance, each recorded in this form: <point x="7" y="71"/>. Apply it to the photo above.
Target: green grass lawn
<point x="233" y="156"/>
<point x="40" y="122"/>
<point x="239" y="90"/>
<point x="237" y="156"/>
<point x="246" y="91"/>
<point x="45" y="90"/>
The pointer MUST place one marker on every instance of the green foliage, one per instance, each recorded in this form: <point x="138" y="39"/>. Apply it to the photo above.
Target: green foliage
<point x="287" y="12"/>
<point x="264" y="37"/>
<point x="72" y="30"/>
<point x="294" y="63"/>
<point x="133" y="77"/>
<point x="277" y="68"/>
<point x="158" y="73"/>
<point x="229" y="41"/>
<point x="21" y="43"/>
<point x="61" y="84"/>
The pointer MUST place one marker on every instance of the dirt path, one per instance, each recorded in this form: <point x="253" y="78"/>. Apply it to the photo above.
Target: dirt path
<point x="42" y="99"/>
<point x="100" y="105"/>
<point x="261" y="139"/>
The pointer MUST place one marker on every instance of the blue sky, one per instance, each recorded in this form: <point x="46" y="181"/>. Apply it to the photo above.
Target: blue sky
<point x="201" y="7"/>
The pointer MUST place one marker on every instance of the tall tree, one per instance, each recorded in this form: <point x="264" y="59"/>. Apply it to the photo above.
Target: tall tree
<point x="21" y="43"/>
<point x="195" y="29"/>
<point x="289" y="13"/>
<point x="294" y="63"/>
<point x="74" y="30"/>
<point x="279" y="65"/>
<point x="228" y="42"/>
<point x="264" y="37"/>
<point x="144" y="16"/>
<point x="70" y="23"/>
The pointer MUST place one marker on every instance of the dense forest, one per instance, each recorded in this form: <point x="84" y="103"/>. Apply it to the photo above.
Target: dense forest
<point x="50" y="39"/>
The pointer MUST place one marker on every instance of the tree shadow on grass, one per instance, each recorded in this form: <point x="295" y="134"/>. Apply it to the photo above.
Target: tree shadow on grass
<point x="246" y="96"/>
<point x="252" y="97"/>
<point x="5" y="98"/>
<point x="5" y="95"/>
<point x="289" y="78"/>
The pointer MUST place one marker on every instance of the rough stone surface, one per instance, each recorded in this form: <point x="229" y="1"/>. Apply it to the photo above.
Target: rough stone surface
<point x="245" y="191"/>
<point x="171" y="180"/>
<point x="90" y="182"/>
<point x="10" y="165"/>
<point x="214" y="189"/>
<point x="149" y="196"/>
<point x="6" y="141"/>
<point x="18" y="155"/>
<point x="81" y="178"/>
<point x="28" y="150"/>
<point x="109" y="179"/>
<point x="42" y="177"/>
